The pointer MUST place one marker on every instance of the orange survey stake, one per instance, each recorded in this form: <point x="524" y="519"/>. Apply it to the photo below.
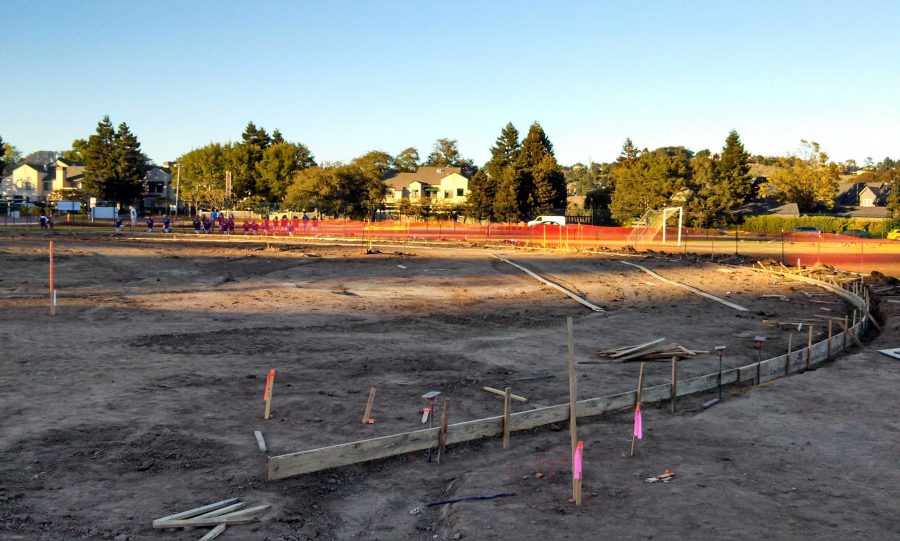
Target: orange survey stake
<point x="267" y="394"/>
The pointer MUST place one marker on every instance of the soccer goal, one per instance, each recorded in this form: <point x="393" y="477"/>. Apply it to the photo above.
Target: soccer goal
<point x="654" y="222"/>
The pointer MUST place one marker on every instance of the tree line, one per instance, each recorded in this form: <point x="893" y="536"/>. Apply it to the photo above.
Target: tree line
<point x="521" y="179"/>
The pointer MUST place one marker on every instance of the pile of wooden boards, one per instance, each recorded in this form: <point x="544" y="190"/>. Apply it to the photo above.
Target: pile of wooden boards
<point x="649" y="351"/>
<point x="219" y="515"/>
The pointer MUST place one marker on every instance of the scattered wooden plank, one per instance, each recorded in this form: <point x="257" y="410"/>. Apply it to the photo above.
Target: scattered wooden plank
<point x="554" y="285"/>
<point x="214" y="533"/>
<point x="248" y="512"/>
<point x="631" y="349"/>
<point x="196" y="511"/>
<point x="260" y="441"/>
<point x="222" y="511"/>
<point x="515" y="397"/>
<point x="687" y="287"/>
<point x="212" y="521"/>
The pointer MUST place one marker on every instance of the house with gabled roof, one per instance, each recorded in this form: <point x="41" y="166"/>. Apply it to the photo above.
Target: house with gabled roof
<point x="436" y="185"/>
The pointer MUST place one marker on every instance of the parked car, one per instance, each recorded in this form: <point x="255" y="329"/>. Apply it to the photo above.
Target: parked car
<point x="894" y="234"/>
<point x="858" y="233"/>
<point x="548" y="220"/>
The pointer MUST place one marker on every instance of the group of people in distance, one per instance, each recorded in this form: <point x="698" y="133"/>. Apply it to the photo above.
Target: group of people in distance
<point x="46" y="221"/>
<point x="166" y="221"/>
<point x="270" y="226"/>
<point x="203" y="224"/>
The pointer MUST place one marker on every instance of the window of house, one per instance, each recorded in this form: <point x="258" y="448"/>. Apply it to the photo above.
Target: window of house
<point x="48" y="186"/>
<point x="446" y="194"/>
<point x="28" y="186"/>
<point x="459" y="192"/>
<point x="416" y="193"/>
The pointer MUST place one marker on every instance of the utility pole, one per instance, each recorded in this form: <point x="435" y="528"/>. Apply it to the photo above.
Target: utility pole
<point x="177" y="192"/>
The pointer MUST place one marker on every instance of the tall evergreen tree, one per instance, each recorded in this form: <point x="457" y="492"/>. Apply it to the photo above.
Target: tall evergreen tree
<point x="530" y="168"/>
<point x="277" y="137"/>
<point x="506" y="201"/>
<point x="732" y="169"/>
<point x="482" y="193"/>
<point x="131" y="165"/>
<point x="629" y="153"/>
<point x="256" y="136"/>
<point x="100" y="169"/>
<point x="2" y="153"/>
<point x="504" y="151"/>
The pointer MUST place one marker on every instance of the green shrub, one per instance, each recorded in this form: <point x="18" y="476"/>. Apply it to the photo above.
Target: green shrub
<point x="774" y="225"/>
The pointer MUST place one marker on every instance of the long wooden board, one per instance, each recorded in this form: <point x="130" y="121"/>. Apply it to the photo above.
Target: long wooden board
<point x="344" y="454"/>
<point x="554" y="285"/>
<point x="687" y="287"/>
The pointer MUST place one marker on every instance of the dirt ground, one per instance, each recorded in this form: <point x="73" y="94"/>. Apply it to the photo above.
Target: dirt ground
<point x="140" y="397"/>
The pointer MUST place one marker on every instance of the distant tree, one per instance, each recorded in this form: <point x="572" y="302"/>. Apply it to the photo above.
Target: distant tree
<point x="549" y="186"/>
<point x="504" y="151"/>
<point x="484" y="186"/>
<point x="114" y="164"/>
<point x="445" y="153"/>
<point x="256" y="136"/>
<point x="540" y="184"/>
<point x="407" y="161"/>
<point x="340" y="190"/>
<point x="506" y="201"/>
<point x="629" y="154"/>
<point x="131" y="166"/>
<point x="376" y="163"/>
<point x="77" y="152"/>
<point x="482" y="195"/>
<point x="277" y="137"/>
<point x="808" y="178"/>
<point x="277" y="168"/>
<point x="893" y="199"/>
<point x="722" y="184"/>
<point x="12" y="157"/>
<point x="654" y="180"/>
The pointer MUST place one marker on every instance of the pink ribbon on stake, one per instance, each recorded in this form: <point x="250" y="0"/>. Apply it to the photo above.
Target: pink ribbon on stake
<point x="576" y="469"/>
<point x="269" y="379"/>
<point x="638" y="425"/>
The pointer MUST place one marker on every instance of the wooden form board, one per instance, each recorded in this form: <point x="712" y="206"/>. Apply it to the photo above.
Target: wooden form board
<point x="687" y="287"/>
<point x="554" y="285"/>
<point x="289" y="465"/>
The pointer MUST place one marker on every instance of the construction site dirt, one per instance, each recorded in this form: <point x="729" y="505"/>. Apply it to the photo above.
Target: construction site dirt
<point x="140" y="396"/>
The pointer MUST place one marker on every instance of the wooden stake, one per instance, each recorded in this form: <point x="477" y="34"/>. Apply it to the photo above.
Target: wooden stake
<point x="270" y="385"/>
<point x="787" y="362"/>
<point x="637" y="402"/>
<point x="809" y="349"/>
<point x="846" y="328"/>
<point x="674" y="381"/>
<point x="573" y="397"/>
<point x="506" y="412"/>
<point x="52" y="290"/>
<point x="442" y="433"/>
<point x="368" y="414"/>
<point x="829" y="338"/>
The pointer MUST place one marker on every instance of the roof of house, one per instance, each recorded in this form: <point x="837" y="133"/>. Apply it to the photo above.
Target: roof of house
<point x="849" y="192"/>
<point x="425" y="175"/>
<point x="862" y="212"/>
<point x="68" y="163"/>
<point x="788" y="209"/>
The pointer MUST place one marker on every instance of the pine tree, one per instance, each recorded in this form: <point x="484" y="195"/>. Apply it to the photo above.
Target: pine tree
<point x="629" y="153"/>
<point x="256" y="136"/>
<point x="131" y="165"/>
<point x="2" y="152"/>
<point x="277" y="137"/>
<point x="482" y="195"/>
<point x="100" y="161"/>
<point x="530" y="168"/>
<point x="732" y="169"/>
<point x="549" y="186"/>
<point x="506" y="204"/>
<point x="504" y="151"/>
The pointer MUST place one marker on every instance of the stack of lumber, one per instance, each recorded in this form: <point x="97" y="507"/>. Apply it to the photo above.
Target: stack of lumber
<point x="217" y="515"/>
<point x="655" y="350"/>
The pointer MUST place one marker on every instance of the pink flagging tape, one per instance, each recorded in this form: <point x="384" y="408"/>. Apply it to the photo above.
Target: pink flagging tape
<point x="579" y="451"/>
<point x="638" y="424"/>
<point x="269" y="379"/>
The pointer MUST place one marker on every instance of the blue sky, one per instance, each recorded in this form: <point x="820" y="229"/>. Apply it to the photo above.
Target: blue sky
<point x="348" y="77"/>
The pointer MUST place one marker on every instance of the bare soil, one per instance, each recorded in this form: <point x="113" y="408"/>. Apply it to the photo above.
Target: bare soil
<point x="140" y="397"/>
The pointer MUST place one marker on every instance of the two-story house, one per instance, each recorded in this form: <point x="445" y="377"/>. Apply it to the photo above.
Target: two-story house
<point x="428" y="185"/>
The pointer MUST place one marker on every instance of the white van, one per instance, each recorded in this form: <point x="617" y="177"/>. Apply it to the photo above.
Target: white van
<point x="548" y="220"/>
